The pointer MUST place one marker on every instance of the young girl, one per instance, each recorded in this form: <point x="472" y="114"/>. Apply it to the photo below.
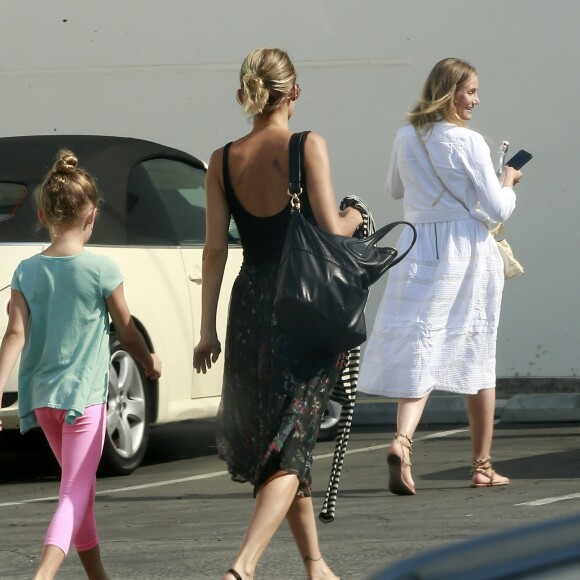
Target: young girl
<point x="59" y="320"/>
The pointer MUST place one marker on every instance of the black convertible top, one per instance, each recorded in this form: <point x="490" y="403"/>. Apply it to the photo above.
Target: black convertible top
<point x="109" y="159"/>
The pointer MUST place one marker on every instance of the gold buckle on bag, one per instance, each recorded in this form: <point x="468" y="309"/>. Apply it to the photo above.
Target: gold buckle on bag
<point x="294" y="200"/>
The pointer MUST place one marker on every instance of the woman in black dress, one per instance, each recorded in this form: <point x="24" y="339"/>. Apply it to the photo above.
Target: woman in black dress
<point x="274" y="390"/>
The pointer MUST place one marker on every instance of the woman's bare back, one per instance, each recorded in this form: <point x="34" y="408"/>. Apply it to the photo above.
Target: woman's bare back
<point x="258" y="167"/>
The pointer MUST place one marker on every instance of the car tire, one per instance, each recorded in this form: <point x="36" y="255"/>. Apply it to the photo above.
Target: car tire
<point x="330" y="420"/>
<point x="128" y="413"/>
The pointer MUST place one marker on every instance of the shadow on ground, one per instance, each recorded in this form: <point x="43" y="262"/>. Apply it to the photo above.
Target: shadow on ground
<point x="28" y="457"/>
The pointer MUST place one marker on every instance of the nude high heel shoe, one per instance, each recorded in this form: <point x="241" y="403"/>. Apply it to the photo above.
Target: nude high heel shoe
<point x="396" y="464"/>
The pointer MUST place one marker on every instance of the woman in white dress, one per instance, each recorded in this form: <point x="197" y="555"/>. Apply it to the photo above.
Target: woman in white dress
<point x="436" y="327"/>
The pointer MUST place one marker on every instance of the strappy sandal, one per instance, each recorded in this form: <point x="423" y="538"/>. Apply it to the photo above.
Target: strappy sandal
<point x="483" y="467"/>
<point x="396" y="464"/>
<point x="308" y="558"/>
<point x="234" y="574"/>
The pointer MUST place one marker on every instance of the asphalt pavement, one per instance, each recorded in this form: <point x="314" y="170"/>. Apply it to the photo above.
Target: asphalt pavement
<point x="180" y="516"/>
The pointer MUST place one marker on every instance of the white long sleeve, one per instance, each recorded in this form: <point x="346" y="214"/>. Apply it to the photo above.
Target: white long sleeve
<point x="460" y="158"/>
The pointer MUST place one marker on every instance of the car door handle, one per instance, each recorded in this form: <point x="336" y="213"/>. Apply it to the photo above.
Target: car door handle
<point x="195" y="276"/>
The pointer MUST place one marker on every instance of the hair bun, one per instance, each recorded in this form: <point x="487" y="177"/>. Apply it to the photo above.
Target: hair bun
<point x="256" y="94"/>
<point x="266" y="79"/>
<point x="66" y="162"/>
<point x="252" y="80"/>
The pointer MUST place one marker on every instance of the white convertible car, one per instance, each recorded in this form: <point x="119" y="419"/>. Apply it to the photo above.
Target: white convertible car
<point x="153" y="225"/>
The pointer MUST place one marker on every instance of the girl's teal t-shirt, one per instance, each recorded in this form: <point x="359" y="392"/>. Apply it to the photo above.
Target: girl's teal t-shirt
<point x="65" y="359"/>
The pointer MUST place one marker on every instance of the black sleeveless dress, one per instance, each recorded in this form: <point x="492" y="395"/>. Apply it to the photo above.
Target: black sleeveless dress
<point x="274" y="391"/>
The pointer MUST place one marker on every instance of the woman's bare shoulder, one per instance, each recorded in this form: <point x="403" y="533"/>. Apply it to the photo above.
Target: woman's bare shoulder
<point x="316" y="138"/>
<point x="217" y="156"/>
<point x="315" y="146"/>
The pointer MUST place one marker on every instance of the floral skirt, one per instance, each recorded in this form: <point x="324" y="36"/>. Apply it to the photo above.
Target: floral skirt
<point x="274" y="391"/>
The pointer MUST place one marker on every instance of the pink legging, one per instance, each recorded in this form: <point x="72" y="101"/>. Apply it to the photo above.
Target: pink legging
<point x="78" y="449"/>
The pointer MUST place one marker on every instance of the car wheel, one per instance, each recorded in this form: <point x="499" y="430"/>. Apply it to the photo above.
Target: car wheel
<point x="330" y="421"/>
<point x="127" y="434"/>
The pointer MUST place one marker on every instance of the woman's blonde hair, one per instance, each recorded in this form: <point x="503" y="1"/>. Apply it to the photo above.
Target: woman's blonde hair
<point x="436" y="101"/>
<point x="266" y="79"/>
<point x="66" y="192"/>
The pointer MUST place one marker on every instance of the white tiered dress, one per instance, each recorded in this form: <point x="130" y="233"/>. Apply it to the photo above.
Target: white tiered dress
<point x="436" y="327"/>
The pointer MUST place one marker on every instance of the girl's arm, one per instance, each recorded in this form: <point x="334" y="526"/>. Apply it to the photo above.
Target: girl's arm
<point x="14" y="337"/>
<point x="321" y="192"/>
<point x="129" y="335"/>
<point x="215" y="254"/>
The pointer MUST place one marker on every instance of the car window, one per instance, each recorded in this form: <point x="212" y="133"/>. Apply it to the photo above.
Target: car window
<point x="182" y="188"/>
<point x="11" y="197"/>
<point x="148" y="221"/>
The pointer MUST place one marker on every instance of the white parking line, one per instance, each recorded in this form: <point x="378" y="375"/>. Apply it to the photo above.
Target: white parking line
<point x="442" y="434"/>
<point x="385" y="445"/>
<point x="548" y="500"/>
<point x="121" y="489"/>
<point x="220" y="473"/>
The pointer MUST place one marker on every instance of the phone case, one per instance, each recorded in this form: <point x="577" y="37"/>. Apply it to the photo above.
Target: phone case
<point x="519" y="159"/>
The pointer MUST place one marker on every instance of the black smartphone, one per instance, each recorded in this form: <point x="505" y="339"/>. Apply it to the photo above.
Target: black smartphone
<point x="519" y="159"/>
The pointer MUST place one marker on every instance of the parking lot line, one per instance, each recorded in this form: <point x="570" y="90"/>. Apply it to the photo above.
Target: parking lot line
<point x="441" y="434"/>
<point x="221" y="473"/>
<point x="128" y="488"/>
<point x="385" y="445"/>
<point x="549" y="500"/>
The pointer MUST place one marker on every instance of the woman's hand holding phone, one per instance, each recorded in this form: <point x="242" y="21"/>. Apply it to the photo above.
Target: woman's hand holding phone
<point x="511" y="176"/>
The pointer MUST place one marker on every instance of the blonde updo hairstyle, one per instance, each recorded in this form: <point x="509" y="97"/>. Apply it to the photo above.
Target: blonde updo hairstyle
<point x="267" y="76"/>
<point x="437" y="96"/>
<point x="67" y="192"/>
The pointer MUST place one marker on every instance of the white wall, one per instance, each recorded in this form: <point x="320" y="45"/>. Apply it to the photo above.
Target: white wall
<point x="167" y="71"/>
